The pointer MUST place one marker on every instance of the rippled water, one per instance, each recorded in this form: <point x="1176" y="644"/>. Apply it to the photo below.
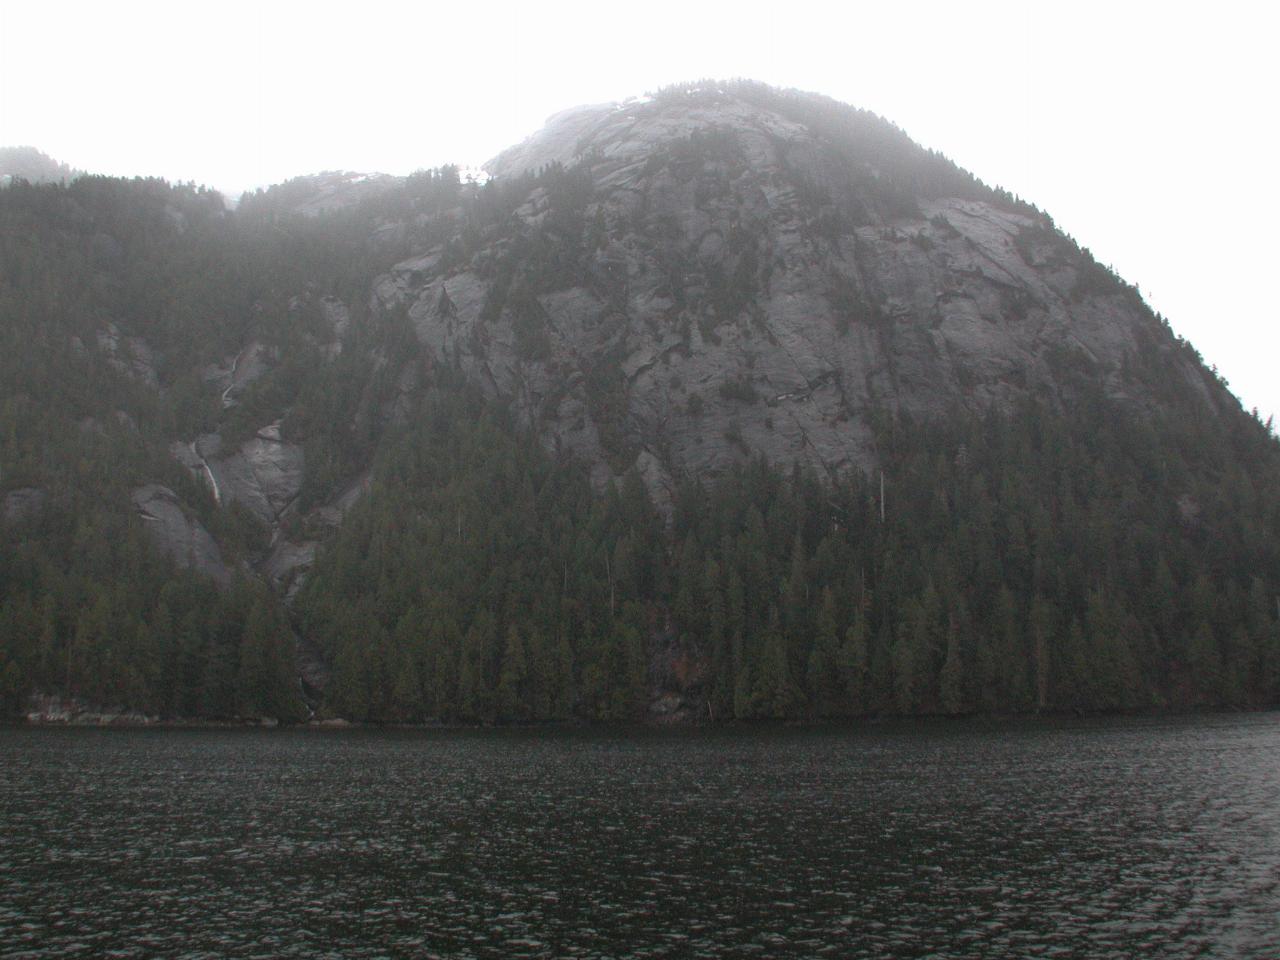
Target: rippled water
<point x="1097" y="839"/>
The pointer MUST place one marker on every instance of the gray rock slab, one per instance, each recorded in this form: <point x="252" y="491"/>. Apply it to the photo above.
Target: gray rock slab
<point x="177" y="535"/>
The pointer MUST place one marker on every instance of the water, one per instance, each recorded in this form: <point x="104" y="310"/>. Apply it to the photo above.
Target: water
<point x="1096" y="839"/>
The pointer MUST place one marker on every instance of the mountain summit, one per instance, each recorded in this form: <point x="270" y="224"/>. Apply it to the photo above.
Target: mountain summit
<point x="726" y="271"/>
<point x="727" y="402"/>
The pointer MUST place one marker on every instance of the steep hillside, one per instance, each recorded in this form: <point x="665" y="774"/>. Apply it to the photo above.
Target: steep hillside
<point x="729" y="402"/>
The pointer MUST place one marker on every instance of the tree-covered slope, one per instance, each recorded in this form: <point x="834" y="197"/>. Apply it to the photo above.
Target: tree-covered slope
<point x="729" y="403"/>
<point x="1025" y="561"/>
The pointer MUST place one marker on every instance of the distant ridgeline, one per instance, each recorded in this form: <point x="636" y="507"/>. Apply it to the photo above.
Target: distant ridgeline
<point x="731" y="403"/>
<point x="28" y="163"/>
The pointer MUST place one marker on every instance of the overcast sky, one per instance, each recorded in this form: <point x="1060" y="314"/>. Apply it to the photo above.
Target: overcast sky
<point x="1148" y="132"/>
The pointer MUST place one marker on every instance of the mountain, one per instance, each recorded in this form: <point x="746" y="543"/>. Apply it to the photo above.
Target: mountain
<point x="728" y="402"/>
<point x="332" y="191"/>
<point x="758" y="271"/>
<point x="28" y="163"/>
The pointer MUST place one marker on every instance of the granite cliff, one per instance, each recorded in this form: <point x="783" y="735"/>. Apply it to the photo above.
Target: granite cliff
<point x="722" y="273"/>
<point x="737" y="272"/>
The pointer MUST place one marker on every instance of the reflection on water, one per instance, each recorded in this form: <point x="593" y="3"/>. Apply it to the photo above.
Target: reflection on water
<point x="1097" y="839"/>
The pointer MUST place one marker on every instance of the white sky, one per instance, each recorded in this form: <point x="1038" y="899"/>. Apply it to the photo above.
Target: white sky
<point x="1148" y="131"/>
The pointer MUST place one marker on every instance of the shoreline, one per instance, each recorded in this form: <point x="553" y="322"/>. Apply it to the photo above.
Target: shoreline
<point x="105" y="720"/>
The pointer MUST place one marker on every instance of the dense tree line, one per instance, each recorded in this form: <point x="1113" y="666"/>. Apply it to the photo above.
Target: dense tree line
<point x="118" y="627"/>
<point x="1016" y="563"/>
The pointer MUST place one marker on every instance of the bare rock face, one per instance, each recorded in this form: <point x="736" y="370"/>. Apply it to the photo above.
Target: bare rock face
<point x="289" y="560"/>
<point x="287" y="565"/>
<point x="676" y="286"/>
<point x="746" y="286"/>
<point x="241" y="371"/>
<point x="178" y="536"/>
<point x="336" y="190"/>
<point x="131" y="356"/>
<point x="559" y="141"/>
<point x="264" y="474"/>
<point x="336" y="314"/>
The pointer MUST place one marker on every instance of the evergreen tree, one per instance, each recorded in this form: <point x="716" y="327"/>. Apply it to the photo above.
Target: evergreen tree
<point x="823" y="673"/>
<point x="952" y="680"/>
<point x="512" y="699"/>
<point x="855" y="666"/>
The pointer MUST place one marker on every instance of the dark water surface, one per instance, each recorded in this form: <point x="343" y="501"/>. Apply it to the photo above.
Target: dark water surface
<point x="1113" y="838"/>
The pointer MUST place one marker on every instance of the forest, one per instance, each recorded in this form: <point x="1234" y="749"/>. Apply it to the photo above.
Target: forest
<point x="1007" y="567"/>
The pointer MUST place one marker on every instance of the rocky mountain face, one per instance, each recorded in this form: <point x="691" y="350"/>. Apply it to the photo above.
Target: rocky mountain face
<point x="676" y="286"/>
<point x="661" y="292"/>
<point x="759" y="273"/>
<point x="721" y="274"/>
<point x="334" y="190"/>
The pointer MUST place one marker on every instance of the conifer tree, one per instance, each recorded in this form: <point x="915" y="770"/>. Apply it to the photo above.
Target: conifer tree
<point x="952" y="678"/>
<point x="512" y="700"/>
